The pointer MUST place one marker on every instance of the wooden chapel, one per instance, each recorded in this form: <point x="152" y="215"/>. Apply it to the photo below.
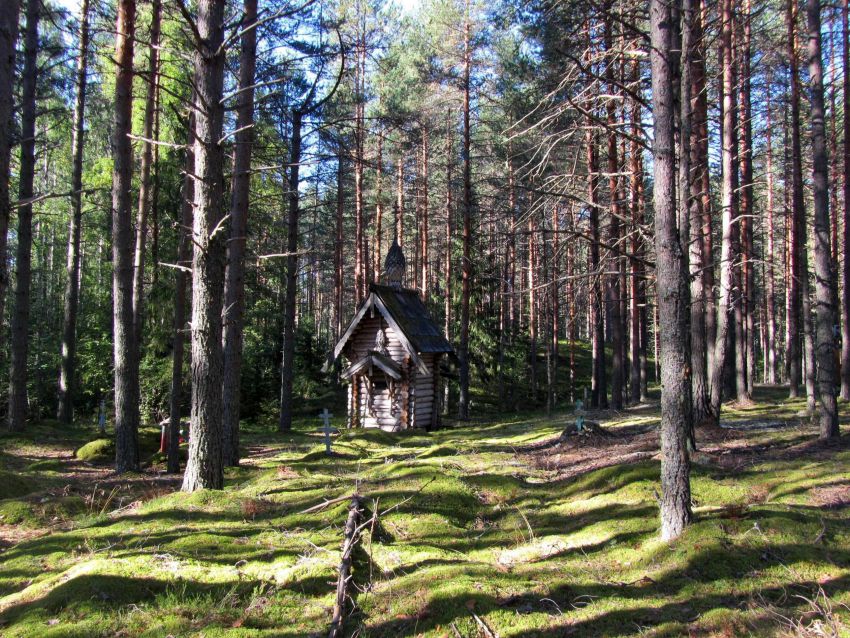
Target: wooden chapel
<point x="393" y="349"/>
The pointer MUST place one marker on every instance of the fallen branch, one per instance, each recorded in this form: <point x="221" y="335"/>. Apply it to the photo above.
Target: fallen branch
<point x="326" y="503"/>
<point x="350" y="538"/>
<point x="487" y="631"/>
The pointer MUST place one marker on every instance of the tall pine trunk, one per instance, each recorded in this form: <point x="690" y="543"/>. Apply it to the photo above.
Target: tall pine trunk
<point x="598" y="381"/>
<point x="797" y="242"/>
<point x="770" y="289"/>
<point x="68" y="354"/>
<point x="824" y="308"/>
<point x="612" y="288"/>
<point x="234" y="286"/>
<point x="204" y="468"/>
<point x="700" y="343"/>
<point x="672" y="282"/>
<point x="145" y="185"/>
<point x="23" y="258"/>
<point x="729" y="213"/>
<point x="9" y="16"/>
<point x="747" y="212"/>
<point x="287" y="366"/>
<point x="124" y="341"/>
<point x="184" y="263"/>
<point x="845" y="265"/>
<point x="466" y="265"/>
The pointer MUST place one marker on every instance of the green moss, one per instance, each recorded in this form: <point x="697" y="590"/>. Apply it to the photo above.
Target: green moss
<point x="17" y="513"/>
<point x="13" y="485"/>
<point x="469" y="525"/>
<point x="97" y="450"/>
<point x="47" y="465"/>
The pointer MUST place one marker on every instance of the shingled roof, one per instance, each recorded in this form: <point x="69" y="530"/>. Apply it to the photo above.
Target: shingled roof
<point x="411" y="315"/>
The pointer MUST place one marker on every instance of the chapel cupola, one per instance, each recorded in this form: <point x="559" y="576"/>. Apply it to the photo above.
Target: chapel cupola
<point x="394" y="267"/>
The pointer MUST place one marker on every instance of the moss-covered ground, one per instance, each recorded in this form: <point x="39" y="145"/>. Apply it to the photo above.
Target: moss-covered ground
<point x="480" y="536"/>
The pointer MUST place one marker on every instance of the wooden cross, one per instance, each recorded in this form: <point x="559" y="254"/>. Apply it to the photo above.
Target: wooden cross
<point x="326" y="417"/>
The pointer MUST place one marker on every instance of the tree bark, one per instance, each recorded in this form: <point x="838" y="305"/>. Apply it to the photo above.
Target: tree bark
<point x="845" y="265"/>
<point x="184" y="262"/>
<point x="204" y="468"/>
<point x="466" y="266"/>
<point x="9" y="17"/>
<point x="770" y="315"/>
<point x="23" y="258"/>
<point x="598" y="382"/>
<point x="145" y="185"/>
<point x="378" y="238"/>
<point x="747" y="212"/>
<point x="68" y="354"/>
<point x="612" y="289"/>
<point x="234" y="286"/>
<point x="287" y="366"/>
<point x="124" y="341"/>
<point x="796" y="252"/>
<point x="728" y="203"/>
<point x="700" y="343"/>
<point x="338" y="260"/>
<point x="423" y="236"/>
<point x="672" y="282"/>
<point x="361" y="255"/>
<point x="684" y="120"/>
<point x="824" y="308"/>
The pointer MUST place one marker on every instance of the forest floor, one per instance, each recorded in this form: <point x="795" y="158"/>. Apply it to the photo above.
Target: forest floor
<point x="497" y="528"/>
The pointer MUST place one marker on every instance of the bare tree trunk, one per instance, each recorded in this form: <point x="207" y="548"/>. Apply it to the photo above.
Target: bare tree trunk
<point x="684" y="120"/>
<point x="9" y="16"/>
<point x="672" y="282"/>
<point x="379" y="209"/>
<point x="423" y="237"/>
<point x="234" y="286"/>
<point x="823" y="258"/>
<point x="770" y="315"/>
<point x="636" y="278"/>
<point x="612" y="288"/>
<point x="338" y="262"/>
<point x="68" y="355"/>
<point x="466" y="266"/>
<point x="796" y="252"/>
<point x="124" y="341"/>
<point x="532" y="308"/>
<point x="729" y="211"/>
<point x="555" y="307"/>
<point x="287" y="366"/>
<point x="699" y="293"/>
<point x="449" y="262"/>
<point x="747" y="212"/>
<point x="598" y="381"/>
<point x="204" y="468"/>
<point x="845" y="266"/>
<point x="145" y="186"/>
<point x="399" y="205"/>
<point x="360" y="254"/>
<point x="184" y="263"/>
<point x="23" y="258"/>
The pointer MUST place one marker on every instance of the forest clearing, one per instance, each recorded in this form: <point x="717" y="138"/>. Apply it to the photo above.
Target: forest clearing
<point x="444" y="318"/>
<point x="491" y="529"/>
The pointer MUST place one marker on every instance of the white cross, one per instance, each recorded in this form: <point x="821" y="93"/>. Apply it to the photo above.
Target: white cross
<point x="326" y="417"/>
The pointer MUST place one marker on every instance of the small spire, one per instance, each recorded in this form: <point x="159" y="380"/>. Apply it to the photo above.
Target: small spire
<point x="394" y="266"/>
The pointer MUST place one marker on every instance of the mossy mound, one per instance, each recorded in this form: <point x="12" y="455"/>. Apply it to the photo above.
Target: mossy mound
<point x="17" y="513"/>
<point x="13" y="485"/>
<point x="96" y="451"/>
<point x="47" y="465"/>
